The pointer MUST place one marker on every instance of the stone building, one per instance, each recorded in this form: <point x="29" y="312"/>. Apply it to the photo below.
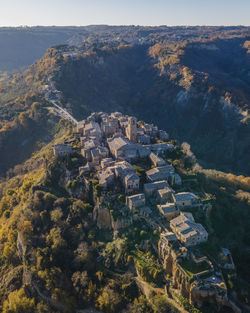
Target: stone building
<point x="123" y="149"/>
<point x="136" y="201"/>
<point x="106" y="178"/>
<point x="160" y="173"/>
<point x="186" y="199"/>
<point x="187" y="231"/>
<point x="156" y="160"/>
<point x="107" y="162"/>
<point x="131" y="130"/>
<point x="151" y="188"/>
<point x="61" y="150"/>
<point x="131" y="183"/>
<point x="159" y="148"/>
<point x="92" y="129"/>
<point x="168" y="210"/>
<point x="164" y="195"/>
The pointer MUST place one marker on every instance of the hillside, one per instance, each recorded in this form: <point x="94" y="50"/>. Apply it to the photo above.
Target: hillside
<point x="192" y="81"/>
<point x="22" y="46"/>
<point x="71" y="241"/>
<point x="179" y="86"/>
<point x="82" y="225"/>
<point x="196" y="89"/>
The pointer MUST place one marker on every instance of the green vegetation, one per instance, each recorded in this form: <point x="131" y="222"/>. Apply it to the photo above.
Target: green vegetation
<point x="148" y="267"/>
<point x="187" y="306"/>
<point x="191" y="268"/>
<point x="50" y="246"/>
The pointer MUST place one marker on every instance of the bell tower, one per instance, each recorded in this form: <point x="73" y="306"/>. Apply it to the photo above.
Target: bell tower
<point x="132" y="129"/>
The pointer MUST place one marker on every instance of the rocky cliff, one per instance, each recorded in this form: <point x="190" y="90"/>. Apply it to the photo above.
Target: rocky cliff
<point x="196" y="289"/>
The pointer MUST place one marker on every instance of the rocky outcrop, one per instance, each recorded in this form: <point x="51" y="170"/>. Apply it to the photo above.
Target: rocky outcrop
<point x="106" y="221"/>
<point x="103" y="218"/>
<point x="195" y="289"/>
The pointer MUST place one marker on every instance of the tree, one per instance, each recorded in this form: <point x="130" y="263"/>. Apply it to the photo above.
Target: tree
<point x="109" y="300"/>
<point x="55" y="239"/>
<point x="8" y="251"/>
<point x="56" y="215"/>
<point x="18" y="302"/>
<point x="140" y="305"/>
<point x="162" y="305"/>
<point x="80" y="281"/>
<point x="24" y="119"/>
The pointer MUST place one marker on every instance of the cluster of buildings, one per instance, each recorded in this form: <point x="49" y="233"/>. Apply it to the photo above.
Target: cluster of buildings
<point x="110" y="143"/>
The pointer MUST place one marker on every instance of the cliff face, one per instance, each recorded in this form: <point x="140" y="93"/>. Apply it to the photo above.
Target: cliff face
<point x="105" y="220"/>
<point x="197" y="291"/>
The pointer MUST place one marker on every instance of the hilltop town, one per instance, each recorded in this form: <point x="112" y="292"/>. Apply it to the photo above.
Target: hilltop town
<point x="125" y="161"/>
<point x="112" y="214"/>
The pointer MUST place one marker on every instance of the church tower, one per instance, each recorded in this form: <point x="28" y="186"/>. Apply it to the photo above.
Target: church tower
<point x="132" y="129"/>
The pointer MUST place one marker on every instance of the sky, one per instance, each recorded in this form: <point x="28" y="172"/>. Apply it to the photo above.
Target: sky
<point x="124" y="12"/>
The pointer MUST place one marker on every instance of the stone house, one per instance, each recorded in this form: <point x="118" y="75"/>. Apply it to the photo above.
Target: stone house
<point x="106" y="178"/>
<point x="147" y="128"/>
<point x="123" y="149"/>
<point x="187" y="231"/>
<point x="95" y="155"/>
<point x="150" y="129"/>
<point x="92" y="129"/>
<point x="164" y="195"/>
<point x="123" y="121"/>
<point x="168" y="210"/>
<point x="186" y="199"/>
<point x="160" y="173"/>
<point x="165" y="239"/>
<point x="131" y="183"/>
<point x="126" y="173"/>
<point x="136" y="201"/>
<point x="122" y="168"/>
<point x="156" y="160"/>
<point x="80" y="126"/>
<point x="86" y="153"/>
<point x="107" y="162"/>
<point x="151" y="188"/>
<point x="61" y="150"/>
<point x="159" y="148"/>
<point x="109" y="126"/>
<point x="89" y="142"/>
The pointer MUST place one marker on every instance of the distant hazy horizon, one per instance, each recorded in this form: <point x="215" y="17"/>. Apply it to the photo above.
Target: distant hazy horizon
<point x="119" y="25"/>
<point x="130" y="12"/>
